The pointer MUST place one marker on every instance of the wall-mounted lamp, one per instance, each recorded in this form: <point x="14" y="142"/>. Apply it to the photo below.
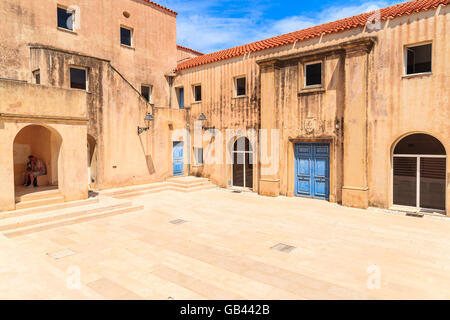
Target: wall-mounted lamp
<point x="147" y="120"/>
<point x="202" y="117"/>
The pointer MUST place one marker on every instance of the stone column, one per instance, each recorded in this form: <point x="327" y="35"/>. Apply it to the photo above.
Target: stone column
<point x="355" y="190"/>
<point x="7" y="193"/>
<point x="269" y="183"/>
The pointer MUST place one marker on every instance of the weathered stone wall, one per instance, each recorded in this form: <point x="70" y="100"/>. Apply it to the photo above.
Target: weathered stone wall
<point x="399" y="105"/>
<point x="222" y="109"/>
<point x="113" y="103"/>
<point x="153" y="54"/>
<point x="60" y="112"/>
<point x="115" y="110"/>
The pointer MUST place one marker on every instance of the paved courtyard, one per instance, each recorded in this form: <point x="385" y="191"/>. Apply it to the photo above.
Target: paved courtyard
<point x="216" y="244"/>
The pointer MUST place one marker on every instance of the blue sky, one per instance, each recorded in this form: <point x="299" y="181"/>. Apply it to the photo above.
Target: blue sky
<point x="212" y="25"/>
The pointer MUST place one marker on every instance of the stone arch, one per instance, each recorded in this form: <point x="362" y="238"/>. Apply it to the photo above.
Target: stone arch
<point x="42" y="141"/>
<point x="242" y="162"/>
<point x="92" y="160"/>
<point x="231" y="142"/>
<point x="409" y="134"/>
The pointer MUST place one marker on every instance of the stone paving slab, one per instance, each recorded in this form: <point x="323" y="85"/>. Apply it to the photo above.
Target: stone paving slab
<point x="224" y="250"/>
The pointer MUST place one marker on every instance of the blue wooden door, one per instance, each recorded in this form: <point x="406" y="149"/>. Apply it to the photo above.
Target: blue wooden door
<point x="312" y="170"/>
<point x="177" y="154"/>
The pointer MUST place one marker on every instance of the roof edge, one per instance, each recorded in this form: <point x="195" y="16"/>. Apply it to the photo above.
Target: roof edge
<point x="154" y="4"/>
<point x="190" y="50"/>
<point x="353" y="22"/>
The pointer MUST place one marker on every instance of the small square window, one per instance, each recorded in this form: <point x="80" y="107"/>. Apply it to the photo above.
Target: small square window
<point x="146" y="92"/>
<point x="197" y="93"/>
<point x="126" y="36"/>
<point x="37" y="77"/>
<point x="240" y="87"/>
<point x="198" y="156"/>
<point x="313" y="74"/>
<point x="180" y="96"/>
<point x="418" y="59"/>
<point x="78" y="78"/>
<point x="65" y="18"/>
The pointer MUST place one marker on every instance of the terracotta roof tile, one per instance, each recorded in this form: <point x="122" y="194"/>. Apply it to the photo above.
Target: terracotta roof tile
<point x="189" y="50"/>
<point x="161" y="7"/>
<point x="313" y="32"/>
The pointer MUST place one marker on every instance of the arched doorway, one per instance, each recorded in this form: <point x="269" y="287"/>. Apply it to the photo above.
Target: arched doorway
<point x="242" y="163"/>
<point x="43" y="143"/>
<point x="91" y="160"/>
<point x="419" y="172"/>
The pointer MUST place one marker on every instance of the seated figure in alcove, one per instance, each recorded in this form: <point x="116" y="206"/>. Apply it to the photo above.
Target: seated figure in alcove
<point x="35" y="168"/>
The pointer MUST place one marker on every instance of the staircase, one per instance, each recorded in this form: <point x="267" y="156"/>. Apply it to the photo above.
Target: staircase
<point x="44" y="209"/>
<point x="180" y="184"/>
<point x="28" y="198"/>
<point x="28" y="221"/>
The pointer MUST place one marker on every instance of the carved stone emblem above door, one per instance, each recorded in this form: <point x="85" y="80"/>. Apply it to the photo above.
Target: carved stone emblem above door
<point x="309" y="125"/>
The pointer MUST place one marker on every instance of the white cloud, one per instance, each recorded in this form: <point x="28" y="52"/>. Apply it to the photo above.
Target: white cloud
<point x="336" y="13"/>
<point x="291" y="24"/>
<point x="205" y="26"/>
<point x="208" y="34"/>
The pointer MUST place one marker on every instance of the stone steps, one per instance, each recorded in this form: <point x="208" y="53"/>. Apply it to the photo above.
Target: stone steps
<point x="187" y="180"/>
<point x="31" y="197"/>
<point x="39" y="202"/>
<point x="124" y="190"/>
<point x="43" y="217"/>
<point x="131" y="195"/>
<point x="37" y="195"/>
<point x="195" y="188"/>
<point x="33" y="225"/>
<point x="48" y="208"/>
<point x="180" y="184"/>
<point x="187" y="185"/>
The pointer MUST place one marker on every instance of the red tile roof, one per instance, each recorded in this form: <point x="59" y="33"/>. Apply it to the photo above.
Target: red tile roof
<point x="161" y="7"/>
<point x="189" y="50"/>
<point x="313" y="32"/>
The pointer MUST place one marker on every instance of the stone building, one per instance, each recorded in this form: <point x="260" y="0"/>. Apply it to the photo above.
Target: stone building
<point x="357" y="104"/>
<point x="353" y="111"/>
<point x="184" y="54"/>
<point x="77" y="79"/>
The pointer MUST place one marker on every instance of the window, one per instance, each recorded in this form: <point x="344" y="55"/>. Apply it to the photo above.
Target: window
<point x="37" y="76"/>
<point x="418" y="59"/>
<point x="198" y="156"/>
<point x="180" y="96"/>
<point x="126" y="36"/>
<point x="65" y="18"/>
<point x="240" y="87"/>
<point x="146" y="92"/>
<point x="78" y="78"/>
<point x="197" y="93"/>
<point x="313" y="74"/>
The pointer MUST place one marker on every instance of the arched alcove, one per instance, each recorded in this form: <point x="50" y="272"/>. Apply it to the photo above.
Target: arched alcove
<point x="92" y="159"/>
<point x="42" y="142"/>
